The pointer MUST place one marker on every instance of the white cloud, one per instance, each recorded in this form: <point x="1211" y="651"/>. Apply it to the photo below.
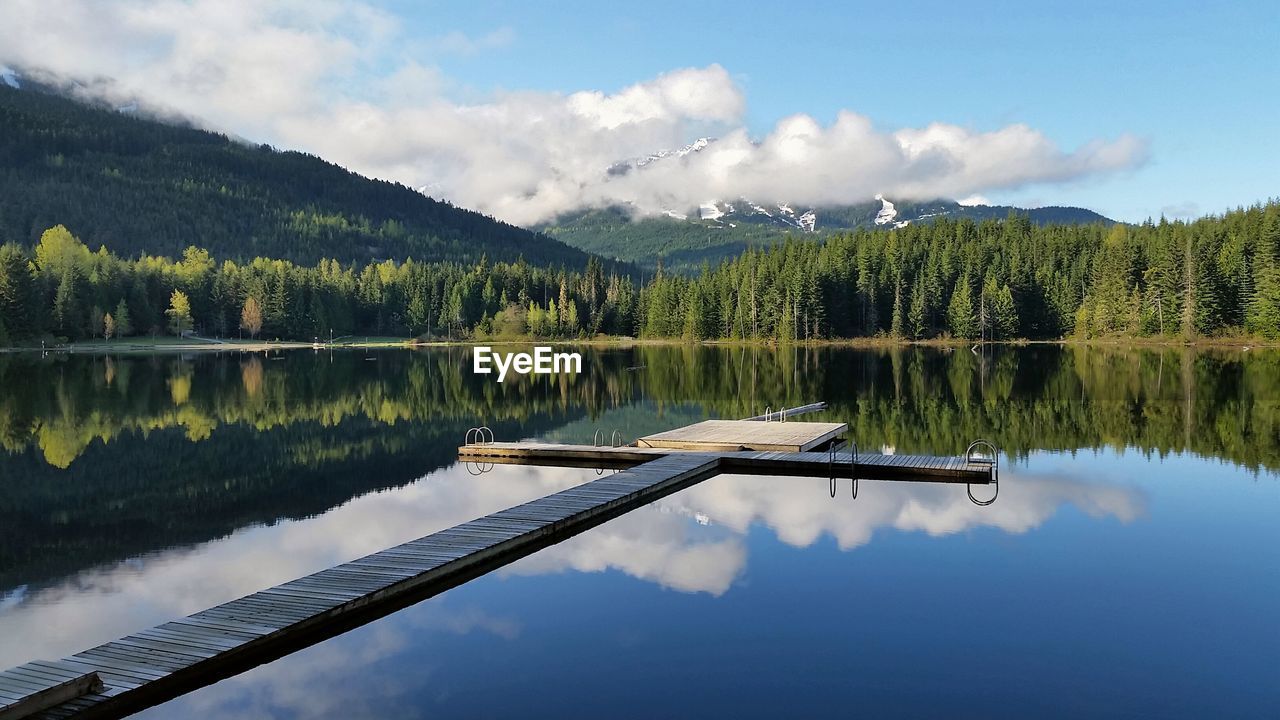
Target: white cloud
<point x="334" y="77"/>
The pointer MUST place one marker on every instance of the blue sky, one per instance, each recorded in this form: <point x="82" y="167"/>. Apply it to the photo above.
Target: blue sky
<point x="1198" y="80"/>
<point x="519" y="109"/>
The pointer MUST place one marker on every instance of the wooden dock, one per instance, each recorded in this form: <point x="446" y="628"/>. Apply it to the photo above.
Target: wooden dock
<point x="159" y="664"/>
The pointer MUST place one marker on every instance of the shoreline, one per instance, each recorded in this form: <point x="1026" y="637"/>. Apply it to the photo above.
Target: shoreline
<point x="173" y="345"/>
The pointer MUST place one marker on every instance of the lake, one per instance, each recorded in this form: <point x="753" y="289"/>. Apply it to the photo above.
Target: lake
<point x="1129" y="567"/>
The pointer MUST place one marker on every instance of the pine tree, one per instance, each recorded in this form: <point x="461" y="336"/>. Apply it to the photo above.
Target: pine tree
<point x="96" y="322"/>
<point x="896" y="326"/>
<point x="1006" y="314"/>
<point x="1263" y="316"/>
<point x="960" y="310"/>
<point x="17" y="293"/>
<point x="916" y="314"/>
<point x="66" y="306"/>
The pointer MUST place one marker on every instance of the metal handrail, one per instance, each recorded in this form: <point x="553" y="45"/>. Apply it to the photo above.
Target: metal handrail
<point x="993" y="460"/>
<point x="615" y="439"/>
<point x="476" y="436"/>
<point x="597" y="438"/>
<point x="982" y="503"/>
<point x="853" y="467"/>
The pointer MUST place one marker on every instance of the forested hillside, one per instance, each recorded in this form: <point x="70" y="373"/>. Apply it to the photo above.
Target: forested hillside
<point x="996" y="279"/>
<point x="1002" y="280"/>
<point x="143" y="187"/>
<point x="680" y="246"/>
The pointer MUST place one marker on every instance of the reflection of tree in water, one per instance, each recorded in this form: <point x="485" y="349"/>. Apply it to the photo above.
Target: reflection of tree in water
<point x="62" y="405"/>
<point x="1214" y="403"/>
<point x="1223" y="403"/>
<point x="251" y="442"/>
<point x="251" y="376"/>
<point x="102" y="463"/>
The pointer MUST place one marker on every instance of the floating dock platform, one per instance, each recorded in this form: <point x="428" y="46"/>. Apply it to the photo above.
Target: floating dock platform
<point x="733" y="435"/>
<point x="156" y="665"/>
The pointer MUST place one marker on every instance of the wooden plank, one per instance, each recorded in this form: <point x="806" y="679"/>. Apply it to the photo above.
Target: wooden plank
<point x="56" y="691"/>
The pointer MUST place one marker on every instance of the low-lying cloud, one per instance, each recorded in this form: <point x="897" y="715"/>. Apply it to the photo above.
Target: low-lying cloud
<point x="341" y="79"/>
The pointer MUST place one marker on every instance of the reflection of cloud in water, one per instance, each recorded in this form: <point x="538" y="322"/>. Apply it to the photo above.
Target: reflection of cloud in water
<point x="102" y="604"/>
<point x="670" y="549"/>
<point x="317" y="681"/>
<point x="665" y="548"/>
<point x="663" y="544"/>
<point x="800" y="510"/>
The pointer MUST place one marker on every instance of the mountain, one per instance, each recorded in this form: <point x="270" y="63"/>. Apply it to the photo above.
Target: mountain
<point x="719" y="229"/>
<point x="140" y="186"/>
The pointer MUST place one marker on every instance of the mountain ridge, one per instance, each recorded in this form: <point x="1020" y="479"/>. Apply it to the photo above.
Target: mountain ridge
<point x="720" y="230"/>
<point x="717" y="229"/>
<point x="145" y="186"/>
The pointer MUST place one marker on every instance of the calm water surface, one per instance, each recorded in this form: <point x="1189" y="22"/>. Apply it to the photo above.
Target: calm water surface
<point x="1129" y="567"/>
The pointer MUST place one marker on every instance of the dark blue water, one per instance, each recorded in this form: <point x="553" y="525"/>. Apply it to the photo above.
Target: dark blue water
<point x="1130" y="570"/>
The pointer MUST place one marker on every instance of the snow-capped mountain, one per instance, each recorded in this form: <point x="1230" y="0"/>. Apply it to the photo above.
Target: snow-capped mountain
<point x="623" y="167"/>
<point x="887" y="212"/>
<point x="745" y="211"/>
<point x="878" y="212"/>
<point x="692" y="147"/>
<point x="9" y="77"/>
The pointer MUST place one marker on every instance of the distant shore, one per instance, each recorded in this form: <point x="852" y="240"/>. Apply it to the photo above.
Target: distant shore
<point x="143" y="345"/>
<point x="184" y="345"/>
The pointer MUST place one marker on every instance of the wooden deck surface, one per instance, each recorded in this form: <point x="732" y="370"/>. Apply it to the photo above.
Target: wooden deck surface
<point x="155" y="665"/>
<point x="922" y="468"/>
<point x="729" y="435"/>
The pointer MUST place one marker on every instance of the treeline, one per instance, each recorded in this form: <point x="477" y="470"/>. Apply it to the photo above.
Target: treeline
<point x="1002" y="280"/>
<point x="62" y="290"/>
<point x="995" y="279"/>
